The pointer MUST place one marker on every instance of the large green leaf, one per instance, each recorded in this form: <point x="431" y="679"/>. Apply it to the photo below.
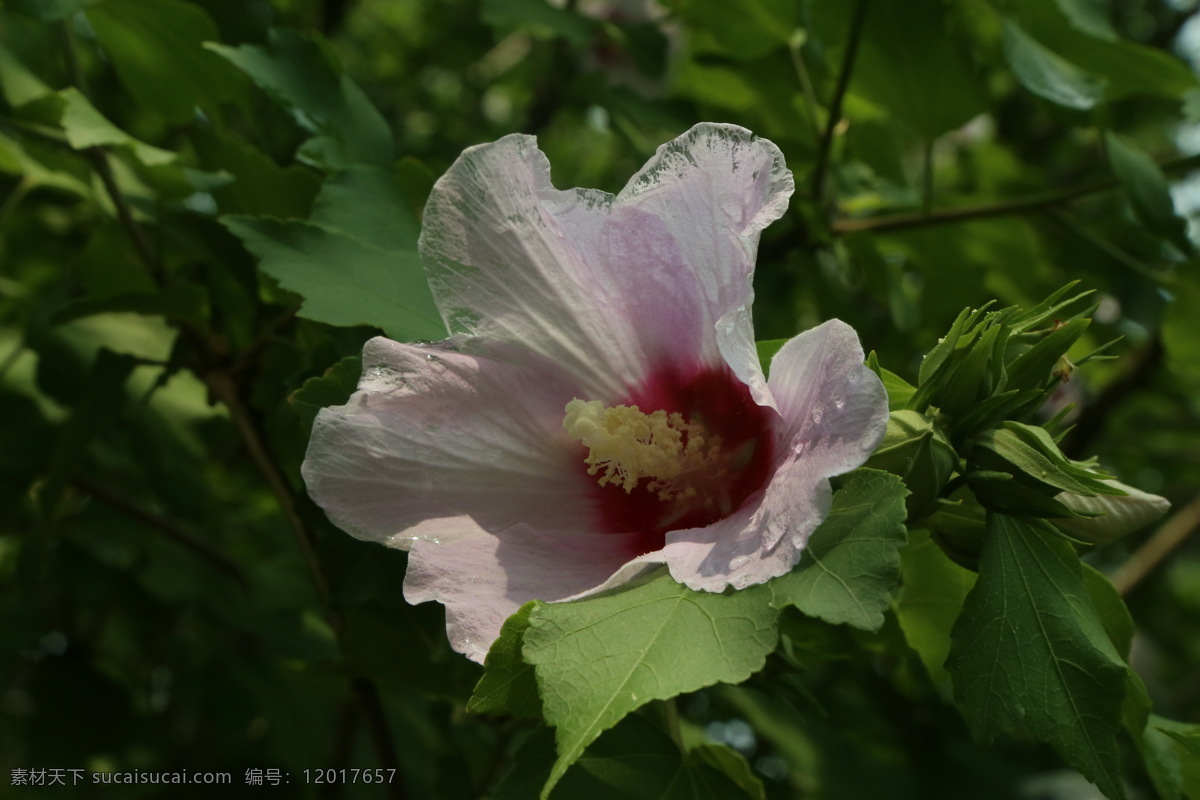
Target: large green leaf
<point x="157" y="48"/>
<point x="355" y="261"/>
<point x="1029" y="653"/>
<point x="1047" y="75"/>
<point x="599" y="659"/>
<point x="301" y="74"/>
<point x="931" y="600"/>
<point x="1146" y="187"/>
<point x="908" y="62"/>
<point x="851" y="563"/>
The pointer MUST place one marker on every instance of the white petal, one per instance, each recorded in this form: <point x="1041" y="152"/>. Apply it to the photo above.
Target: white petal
<point x="607" y="287"/>
<point x="834" y="408"/>
<point x="434" y="437"/>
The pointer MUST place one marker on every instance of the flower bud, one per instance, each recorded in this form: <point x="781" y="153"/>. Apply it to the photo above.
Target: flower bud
<point x="915" y="449"/>
<point x="1118" y="514"/>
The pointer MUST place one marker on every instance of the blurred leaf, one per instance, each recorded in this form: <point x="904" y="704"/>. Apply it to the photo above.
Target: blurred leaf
<point x="598" y="659"/>
<point x="299" y="72"/>
<point x="1172" y="753"/>
<point x="331" y="389"/>
<point x="1146" y="187"/>
<point x="1127" y="67"/>
<point x="1180" y="341"/>
<point x="157" y="48"/>
<point x="19" y="85"/>
<point x="908" y="63"/>
<point x="355" y="261"/>
<point x="767" y="349"/>
<point x="745" y="29"/>
<point x="539" y="17"/>
<point x="1047" y="75"/>
<point x="931" y="600"/>
<point x="104" y="399"/>
<point x="186" y="302"/>
<point x="851" y="563"/>
<point x="508" y="685"/>
<point x="1030" y="654"/>
<point x="14" y="159"/>
<point x="48" y="10"/>
<point x="86" y="127"/>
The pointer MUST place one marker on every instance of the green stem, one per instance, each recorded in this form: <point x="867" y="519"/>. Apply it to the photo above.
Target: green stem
<point x="857" y="25"/>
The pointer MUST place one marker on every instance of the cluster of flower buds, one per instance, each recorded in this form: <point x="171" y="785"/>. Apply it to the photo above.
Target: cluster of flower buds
<point x="965" y="442"/>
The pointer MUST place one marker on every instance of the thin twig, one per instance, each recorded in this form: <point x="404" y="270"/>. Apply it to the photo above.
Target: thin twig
<point x="857" y="24"/>
<point x="167" y="527"/>
<point x="806" y="88"/>
<point x="99" y="158"/>
<point x="381" y="735"/>
<point x="223" y="388"/>
<point x="1154" y="551"/>
<point x="1036" y="202"/>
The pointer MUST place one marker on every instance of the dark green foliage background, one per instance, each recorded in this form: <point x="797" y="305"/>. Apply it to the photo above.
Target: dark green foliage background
<point x="172" y="600"/>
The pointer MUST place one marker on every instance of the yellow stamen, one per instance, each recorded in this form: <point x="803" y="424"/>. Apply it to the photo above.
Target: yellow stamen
<point x="625" y="445"/>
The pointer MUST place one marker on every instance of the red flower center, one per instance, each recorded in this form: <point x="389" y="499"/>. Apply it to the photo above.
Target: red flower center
<point x="683" y="451"/>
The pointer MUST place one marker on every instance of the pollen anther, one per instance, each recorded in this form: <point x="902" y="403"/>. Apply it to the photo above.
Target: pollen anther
<point x="626" y="445"/>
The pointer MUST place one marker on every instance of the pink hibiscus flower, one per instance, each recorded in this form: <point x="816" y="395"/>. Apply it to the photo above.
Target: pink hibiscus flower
<point x="600" y="408"/>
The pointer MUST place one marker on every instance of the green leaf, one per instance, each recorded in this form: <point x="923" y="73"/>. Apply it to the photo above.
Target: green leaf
<point x="48" y="10"/>
<point x="1127" y="67"/>
<point x="259" y="187"/>
<point x="899" y="391"/>
<point x="851" y="563"/>
<point x="185" y="301"/>
<point x="1172" y="757"/>
<point x="300" y="73"/>
<point x="508" y="685"/>
<point x="86" y="127"/>
<point x="767" y="349"/>
<point x="1110" y="609"/>
<point x="18" y="83"/>
<point x="1049" y="76"/>
<point x="104" y="398"/>
<point x="157" y="47"/>
<point x="351" y="270"/>
<point x="596" y="660"/>
<point x="1146" y="187"/>
<point x="931" y="600"/>
<point x="1180" y="341"/>
<point x="745" y="29"/>
<point x="910" y="64"/>
<point x="331" y="389"/>
<point x="633" y="761"/>
<point x="538" y="17"/>
<point x="1030" y="654"/>
<point x="1190" y="741"/>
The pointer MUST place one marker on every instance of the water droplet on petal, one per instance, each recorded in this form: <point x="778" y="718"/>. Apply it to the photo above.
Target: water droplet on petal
<point x="738" y="562"/>
<point x="817" y="414"/>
